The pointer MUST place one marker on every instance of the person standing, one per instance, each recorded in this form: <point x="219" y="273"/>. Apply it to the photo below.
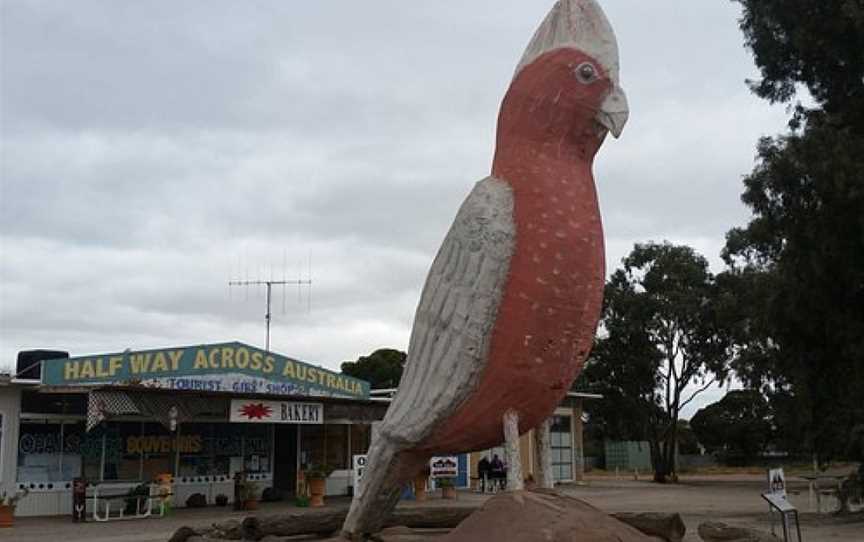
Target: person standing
<point x="484" y="469"/>
<point x="498" y="472"/>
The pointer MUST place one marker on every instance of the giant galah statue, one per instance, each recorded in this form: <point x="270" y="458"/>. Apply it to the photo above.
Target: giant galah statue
<point x="511" y="304"/>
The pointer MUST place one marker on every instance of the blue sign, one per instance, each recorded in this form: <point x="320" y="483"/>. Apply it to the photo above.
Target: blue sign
<point x="227" y="367"/>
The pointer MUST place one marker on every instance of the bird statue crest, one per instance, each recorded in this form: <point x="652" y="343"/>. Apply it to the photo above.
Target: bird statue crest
<point x="510" y="307"/>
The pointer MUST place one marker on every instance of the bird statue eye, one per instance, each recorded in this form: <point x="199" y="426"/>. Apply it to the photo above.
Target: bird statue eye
<point x="586" y="73"/>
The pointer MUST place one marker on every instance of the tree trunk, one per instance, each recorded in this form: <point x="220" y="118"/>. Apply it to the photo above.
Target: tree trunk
<point x="325" y="521"/>
<point x="669" y="527"/>
<point x="543" y="451"/>
<point x="657" y="461"/>
<point x="664" y="466"/>
<point x="515" y="481"/>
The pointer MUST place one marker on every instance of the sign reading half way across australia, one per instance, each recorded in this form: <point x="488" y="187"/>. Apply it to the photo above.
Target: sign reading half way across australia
<point x="227" y="367"/>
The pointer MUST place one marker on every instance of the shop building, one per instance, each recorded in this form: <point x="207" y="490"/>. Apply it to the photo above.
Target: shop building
<point x="203" y="414"/>
<point x="200" y="413"/>
<point x="566" y="443"/>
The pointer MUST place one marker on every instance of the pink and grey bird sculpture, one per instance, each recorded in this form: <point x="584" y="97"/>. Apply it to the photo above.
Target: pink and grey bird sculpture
<point x="511" y="303"/>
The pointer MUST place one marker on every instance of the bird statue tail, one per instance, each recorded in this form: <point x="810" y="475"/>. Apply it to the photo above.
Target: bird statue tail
<point x="380" y="488"/>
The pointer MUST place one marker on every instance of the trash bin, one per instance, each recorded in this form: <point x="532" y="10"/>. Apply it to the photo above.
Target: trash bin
<point x="79" y="499"/>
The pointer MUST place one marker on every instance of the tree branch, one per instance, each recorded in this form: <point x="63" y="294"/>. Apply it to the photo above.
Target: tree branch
<point x="697" y="392"/>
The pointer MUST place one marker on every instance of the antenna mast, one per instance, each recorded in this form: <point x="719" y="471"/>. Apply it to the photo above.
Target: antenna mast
<point x="269" y="284"/>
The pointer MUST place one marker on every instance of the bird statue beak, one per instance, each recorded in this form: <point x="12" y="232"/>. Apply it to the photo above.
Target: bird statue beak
<point x="614" y="112"/>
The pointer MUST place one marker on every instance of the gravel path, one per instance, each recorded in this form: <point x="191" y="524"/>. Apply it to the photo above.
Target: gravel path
<point x="732" y="499"/>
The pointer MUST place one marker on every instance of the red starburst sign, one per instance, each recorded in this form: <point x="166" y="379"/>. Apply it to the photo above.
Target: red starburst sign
<point x="255" y="411"/>
<point x="266" y="411"/>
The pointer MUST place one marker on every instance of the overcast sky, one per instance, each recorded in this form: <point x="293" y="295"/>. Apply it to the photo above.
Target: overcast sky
<point x="153" y="150"/>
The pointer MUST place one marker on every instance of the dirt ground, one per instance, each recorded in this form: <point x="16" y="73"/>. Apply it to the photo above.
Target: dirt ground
<point x="732" y="499"/>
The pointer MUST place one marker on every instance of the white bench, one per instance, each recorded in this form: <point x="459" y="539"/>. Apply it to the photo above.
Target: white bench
<point x="104" y="496"/>
<point x="787" y="511"/>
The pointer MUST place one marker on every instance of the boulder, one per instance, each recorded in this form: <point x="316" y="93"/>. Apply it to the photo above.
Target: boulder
<point x="528" y="516"/>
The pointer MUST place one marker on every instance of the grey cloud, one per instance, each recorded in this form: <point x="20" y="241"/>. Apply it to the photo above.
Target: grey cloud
<point x="152" y="150"/>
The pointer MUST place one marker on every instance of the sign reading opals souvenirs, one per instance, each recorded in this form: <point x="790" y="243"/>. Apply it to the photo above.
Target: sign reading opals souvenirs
<point x="255" y="411"/>
<point x="227" y="367"/>
<point x="148" y="444"/>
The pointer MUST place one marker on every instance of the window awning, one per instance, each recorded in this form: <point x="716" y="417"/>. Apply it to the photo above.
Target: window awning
<point x="105" y="404"/>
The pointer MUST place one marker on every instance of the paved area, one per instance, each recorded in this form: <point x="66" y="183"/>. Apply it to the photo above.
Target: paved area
<point x="732" y="499"/>
<point x="63" y="529"/>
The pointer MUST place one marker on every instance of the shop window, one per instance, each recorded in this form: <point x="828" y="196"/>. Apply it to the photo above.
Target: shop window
<point x="361" y="437"/>
<point x="89" y="446"/>
<point x="561" y="448"/>
<point x="336" y="439"/>
<point x="257" y="446"/>
<point x="311" y="445"/>
<point x="227" y="445"/>
<point x="325" y="444"/>
<point x="136" y="451"/>
<point x="197" y="454"/>
<point x="74" y="447"/>
<point x="156" y="446"/>
<point x="122" y="451"/>
<point x="48" y="452"/>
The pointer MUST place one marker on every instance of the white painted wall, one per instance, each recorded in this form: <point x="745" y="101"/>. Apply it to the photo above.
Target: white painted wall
<point x="10" y="409"/>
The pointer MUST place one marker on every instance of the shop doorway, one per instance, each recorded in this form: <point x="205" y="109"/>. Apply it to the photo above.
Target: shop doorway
<point x="285" y="459"/>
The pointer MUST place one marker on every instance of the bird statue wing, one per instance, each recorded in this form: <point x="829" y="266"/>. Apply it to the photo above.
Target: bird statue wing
<point x="457" y="308"/>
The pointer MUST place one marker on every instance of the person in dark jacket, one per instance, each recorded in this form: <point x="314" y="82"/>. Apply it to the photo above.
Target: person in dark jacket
<point x="498" y="472"/>
<point x="484" y="472"/>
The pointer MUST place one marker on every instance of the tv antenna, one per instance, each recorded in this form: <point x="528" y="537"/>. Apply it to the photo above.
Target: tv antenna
<point x="268" y="284"/>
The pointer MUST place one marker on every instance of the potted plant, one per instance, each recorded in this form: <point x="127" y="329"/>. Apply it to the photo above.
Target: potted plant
<point x="316" y="476"/>
<point x="248" y="493"/>
<point x="448" y="488"/>
<point x="221" y="499"/>
<point x="8" y="504"/>
<point x="420" y="485"/>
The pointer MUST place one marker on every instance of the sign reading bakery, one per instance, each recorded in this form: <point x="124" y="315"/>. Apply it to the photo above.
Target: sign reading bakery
<point x="257" y="411"/>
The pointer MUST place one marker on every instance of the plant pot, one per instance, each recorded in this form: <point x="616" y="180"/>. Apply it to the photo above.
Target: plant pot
<point x="250" y="504"/>
<point x="420" y="488"/>
<point x="448" y="492"/>
<point x="317" y="489"/>
<point x="7" y="516"/>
